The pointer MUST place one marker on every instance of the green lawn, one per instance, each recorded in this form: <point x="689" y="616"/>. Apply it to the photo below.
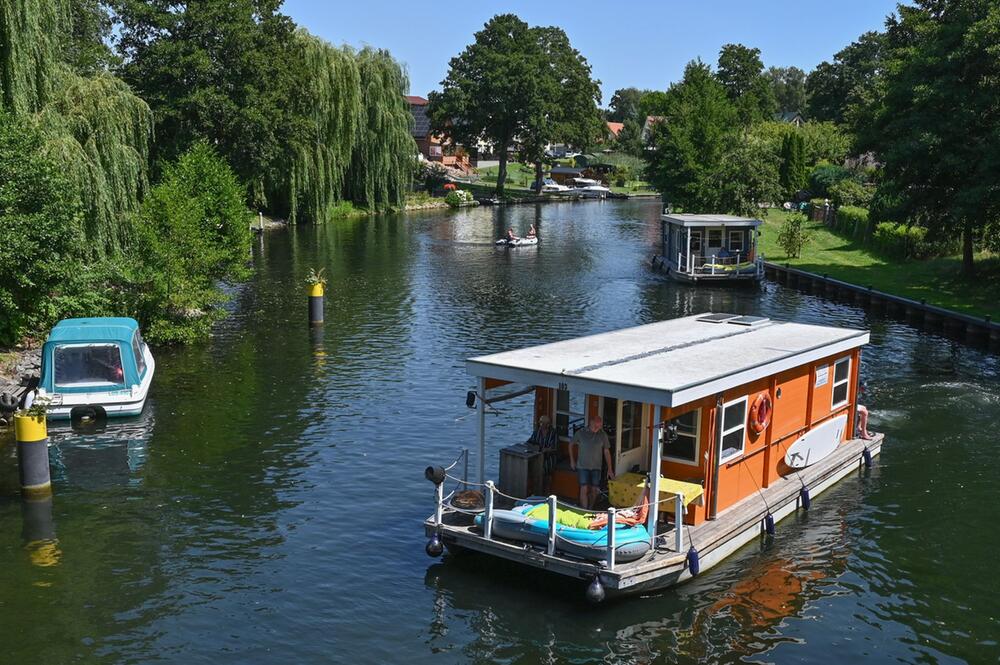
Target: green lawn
<point x="935" y="280"/>
<point x="519" y="176"/>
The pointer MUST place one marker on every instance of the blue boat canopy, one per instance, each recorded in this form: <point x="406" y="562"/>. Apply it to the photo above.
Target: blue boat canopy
<point x="95" y="354"/>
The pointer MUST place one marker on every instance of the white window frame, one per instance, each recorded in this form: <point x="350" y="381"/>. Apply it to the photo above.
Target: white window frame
<point x="696" y="233"/>
<point x="697" y="442"/>
<point x="739" y="234"/>
<point x="570" y="414"/>
<point x="619" y="430"/>
<point x="743" y="425"/>
<point x="835" y="382"/>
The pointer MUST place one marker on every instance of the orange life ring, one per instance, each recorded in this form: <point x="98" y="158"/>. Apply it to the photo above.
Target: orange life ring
<point x="760" y="413"/>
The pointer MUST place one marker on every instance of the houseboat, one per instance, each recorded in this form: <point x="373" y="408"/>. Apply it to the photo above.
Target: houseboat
<point x="743" y="419"/>
<point x="95" y="367"/>
<point x="710" y="248"/>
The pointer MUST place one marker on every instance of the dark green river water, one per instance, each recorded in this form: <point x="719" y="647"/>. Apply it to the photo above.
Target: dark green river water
<point x="267" y="506"/>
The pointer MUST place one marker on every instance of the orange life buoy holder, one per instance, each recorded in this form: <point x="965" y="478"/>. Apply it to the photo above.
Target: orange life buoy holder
<point x="760" y="413"/>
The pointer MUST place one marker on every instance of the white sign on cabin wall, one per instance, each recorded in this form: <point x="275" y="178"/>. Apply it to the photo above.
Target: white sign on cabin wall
<point x="822" y="375"/>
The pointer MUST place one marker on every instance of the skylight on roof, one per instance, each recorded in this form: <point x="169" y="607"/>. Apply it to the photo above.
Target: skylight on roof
<point x="748" y="320"/>
<point x="718" y="318"/>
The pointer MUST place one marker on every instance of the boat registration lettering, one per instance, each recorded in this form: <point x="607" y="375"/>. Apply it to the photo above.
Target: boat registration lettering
<point x="822" y="375"/>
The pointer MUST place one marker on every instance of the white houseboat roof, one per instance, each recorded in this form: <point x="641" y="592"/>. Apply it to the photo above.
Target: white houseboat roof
<point x="673" y="362"/>
<point x="710" y="220"/>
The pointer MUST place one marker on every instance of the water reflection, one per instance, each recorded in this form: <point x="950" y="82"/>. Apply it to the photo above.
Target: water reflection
<point x="267" y="506"/>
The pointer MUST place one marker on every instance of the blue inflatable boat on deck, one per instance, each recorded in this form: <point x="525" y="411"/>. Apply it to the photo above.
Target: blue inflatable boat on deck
<point x="530" y="523"/>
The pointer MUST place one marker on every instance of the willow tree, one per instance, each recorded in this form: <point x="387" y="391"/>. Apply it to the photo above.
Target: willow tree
<point x="328" y="98"/>
<point x="357" y="144"/>
<point x="384" y="151"/>
<point x="94" y="126"/>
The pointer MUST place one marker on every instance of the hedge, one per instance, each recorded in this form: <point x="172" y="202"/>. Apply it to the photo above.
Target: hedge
<point x="852" y="221"/>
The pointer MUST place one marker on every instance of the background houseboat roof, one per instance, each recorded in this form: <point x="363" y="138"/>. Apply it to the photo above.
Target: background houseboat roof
<point x="103" y="329"/>
<point x="711" y="220"/>
<point x="670" y="362"/>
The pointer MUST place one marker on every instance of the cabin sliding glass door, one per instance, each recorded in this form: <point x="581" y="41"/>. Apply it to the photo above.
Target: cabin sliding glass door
<point x="624" y="423"/>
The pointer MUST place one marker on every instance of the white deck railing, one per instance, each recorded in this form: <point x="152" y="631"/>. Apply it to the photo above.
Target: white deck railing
<point x="712" y="264"/>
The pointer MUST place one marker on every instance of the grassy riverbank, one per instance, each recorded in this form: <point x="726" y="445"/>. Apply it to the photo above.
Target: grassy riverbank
<point x="938" y="280"/>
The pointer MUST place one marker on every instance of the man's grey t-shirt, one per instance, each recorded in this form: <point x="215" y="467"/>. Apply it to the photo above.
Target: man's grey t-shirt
<point x="591" y="448"/>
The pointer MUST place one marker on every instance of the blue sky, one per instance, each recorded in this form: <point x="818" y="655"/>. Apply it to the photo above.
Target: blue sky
<point x="644" y="44"/>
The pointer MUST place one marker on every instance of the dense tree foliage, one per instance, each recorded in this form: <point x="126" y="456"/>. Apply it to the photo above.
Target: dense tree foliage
<point x="92" y="125"/>
<point x="39" y="219"/>
<point x="793" y="165"/>
<point x="195" y="231"/>
<point x="689" y="145"/>
<point x="515" y="81"/>
<point x="789" y="87"/>
<point x="626" y="104"/>
<point x="834" y="88"/>
<point x="741" y="73"/>
<point x="936" y="122"/>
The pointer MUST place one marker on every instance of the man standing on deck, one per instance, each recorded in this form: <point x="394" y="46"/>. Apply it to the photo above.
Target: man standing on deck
<point x="585" y="458"/>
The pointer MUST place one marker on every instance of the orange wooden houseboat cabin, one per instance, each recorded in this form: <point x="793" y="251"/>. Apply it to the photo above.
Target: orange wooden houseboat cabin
<point x="720" y="404"/>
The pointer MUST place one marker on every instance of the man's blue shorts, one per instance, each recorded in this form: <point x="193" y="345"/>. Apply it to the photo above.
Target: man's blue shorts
<point x="589" y="476"/>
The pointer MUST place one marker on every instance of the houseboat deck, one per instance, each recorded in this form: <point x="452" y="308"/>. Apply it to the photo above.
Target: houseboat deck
<point x="667" y="565"/>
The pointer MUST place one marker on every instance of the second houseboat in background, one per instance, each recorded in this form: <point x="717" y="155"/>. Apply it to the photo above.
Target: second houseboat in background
<point x="710" y="248"/>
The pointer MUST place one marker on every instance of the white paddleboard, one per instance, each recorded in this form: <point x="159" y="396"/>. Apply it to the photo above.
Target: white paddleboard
<point x="817" y="443"/>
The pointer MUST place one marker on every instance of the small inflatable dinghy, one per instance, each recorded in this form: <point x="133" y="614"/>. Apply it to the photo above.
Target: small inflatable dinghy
<point x="631" y="542"/>
<point x="517" y="242"/>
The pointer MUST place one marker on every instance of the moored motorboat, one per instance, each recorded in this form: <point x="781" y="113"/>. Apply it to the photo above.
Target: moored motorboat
<point x="95" y="367"/>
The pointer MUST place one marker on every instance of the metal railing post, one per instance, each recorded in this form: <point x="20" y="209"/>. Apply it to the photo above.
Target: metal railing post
<point x="439" y="508"/>
<point x="465" y="471"/>
<point x="611" y="537"/>
<point x="551" y="545"/>
<point x="713" y="264"/>
<point x="488" y="516"/>
<point x="679" y="521"/>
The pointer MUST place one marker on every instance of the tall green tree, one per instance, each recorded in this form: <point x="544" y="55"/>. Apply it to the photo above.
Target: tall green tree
<point x="936" y="124"/>
<point x="789" y="87"/>
<point x="745" y="178"/>
<point x="626" y="104"/>
<point x="741" y="73"/>
<point x="833" y="88"/>
<point x="515" y="81"/>
<point x="792" y="173"/>
<point x="215" y="70"/>
<point x="690" y="143"/>
<point x="564" y="108"/>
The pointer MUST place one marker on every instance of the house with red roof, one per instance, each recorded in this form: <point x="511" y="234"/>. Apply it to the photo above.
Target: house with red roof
<point x="431" y="146"/>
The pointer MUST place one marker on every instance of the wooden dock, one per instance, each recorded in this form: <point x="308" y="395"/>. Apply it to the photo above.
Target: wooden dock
<point x="664" y="566"/>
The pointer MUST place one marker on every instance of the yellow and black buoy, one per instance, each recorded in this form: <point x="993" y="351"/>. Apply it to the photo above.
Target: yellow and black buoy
<point x="32" y="436"/>
<point x="316" y="303"/>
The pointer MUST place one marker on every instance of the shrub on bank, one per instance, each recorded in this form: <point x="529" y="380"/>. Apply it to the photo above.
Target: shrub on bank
<point x="852" y="222"/>
<point x="458" y="197"/>
<point x="793" y="235"/>
<point x="902" y="241"/>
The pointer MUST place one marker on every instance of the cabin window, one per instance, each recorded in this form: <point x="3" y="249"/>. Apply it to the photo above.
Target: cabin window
<point x="734" y="425"/>
<point x="684" y="446"/>
<point x="88" y="365"/>
<point x="140" y="357"/>
<point x="569" y="413"/>
<point x="695" y="241"/>
<point x="715" y="237"/>
<point x="841" y="379"/>
<point x="631" y="426"/>
<point x="736" y="241"/>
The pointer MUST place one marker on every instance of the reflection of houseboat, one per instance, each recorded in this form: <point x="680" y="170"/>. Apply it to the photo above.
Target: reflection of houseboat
<point x="742" y="416"/>
<point x="710" y="248"/>
<point x="95" y="367"/>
